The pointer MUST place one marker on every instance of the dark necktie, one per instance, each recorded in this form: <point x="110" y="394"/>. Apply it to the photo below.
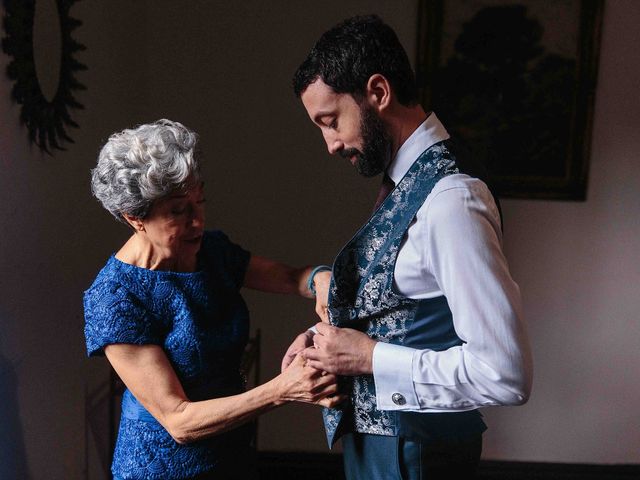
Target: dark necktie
<point x="385" y="189"/>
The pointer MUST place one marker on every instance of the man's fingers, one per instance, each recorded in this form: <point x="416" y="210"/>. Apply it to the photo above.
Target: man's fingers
<point x="319" y="340"/>
<point x="311" y="353"/>
<point x="317" y="359"/>
<point x="324" y="328"/>
<point x="316" y="364"/>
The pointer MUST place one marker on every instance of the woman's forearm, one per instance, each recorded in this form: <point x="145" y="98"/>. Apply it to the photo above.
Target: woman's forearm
<point x="146" y="371"/>
<point x="299" y="382"/>
<point x="274" y="277"/>
<point x="193" y="421"/>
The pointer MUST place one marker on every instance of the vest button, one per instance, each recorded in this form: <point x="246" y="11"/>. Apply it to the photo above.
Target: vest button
<point x="398" y="399"/>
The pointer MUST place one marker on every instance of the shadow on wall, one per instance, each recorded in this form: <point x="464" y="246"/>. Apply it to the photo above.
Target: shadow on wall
<point x="13" y="461"/>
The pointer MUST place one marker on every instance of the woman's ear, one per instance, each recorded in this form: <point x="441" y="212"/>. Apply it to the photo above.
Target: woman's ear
<point x="378" y="92"/>
<point x="136" y="223"/>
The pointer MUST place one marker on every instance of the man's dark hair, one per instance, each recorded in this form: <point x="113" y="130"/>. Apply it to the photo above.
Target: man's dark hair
<point x="347" y="55"/>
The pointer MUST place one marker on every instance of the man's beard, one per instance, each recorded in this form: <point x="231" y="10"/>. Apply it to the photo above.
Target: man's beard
<point x="376" y="144"/>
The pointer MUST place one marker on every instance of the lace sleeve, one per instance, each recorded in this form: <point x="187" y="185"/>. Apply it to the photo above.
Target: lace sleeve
<point x="113" y="315"/>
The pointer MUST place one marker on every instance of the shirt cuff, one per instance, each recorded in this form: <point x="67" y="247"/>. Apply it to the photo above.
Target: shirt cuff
<point x="393" y="377"/>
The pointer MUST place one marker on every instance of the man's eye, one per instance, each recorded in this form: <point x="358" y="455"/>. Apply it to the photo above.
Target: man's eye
<point x="333" y="125"/>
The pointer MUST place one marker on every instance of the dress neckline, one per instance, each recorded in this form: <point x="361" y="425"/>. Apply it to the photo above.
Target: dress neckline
<point x="147" y="271"/>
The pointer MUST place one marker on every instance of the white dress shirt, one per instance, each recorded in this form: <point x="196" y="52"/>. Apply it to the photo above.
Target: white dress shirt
<point x="454" y="248"/>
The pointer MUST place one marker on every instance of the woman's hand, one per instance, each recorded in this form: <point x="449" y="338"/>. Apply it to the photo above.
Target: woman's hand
<point x="321" y="282"/>
<point x="301" y="342"/>
<point x="301" y="383"/>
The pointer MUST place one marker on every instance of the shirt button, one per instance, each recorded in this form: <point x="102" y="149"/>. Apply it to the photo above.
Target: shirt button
<point x="398" y="399"/>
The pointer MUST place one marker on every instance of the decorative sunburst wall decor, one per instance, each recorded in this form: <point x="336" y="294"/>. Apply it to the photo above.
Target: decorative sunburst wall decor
<point x="47" y="121"/>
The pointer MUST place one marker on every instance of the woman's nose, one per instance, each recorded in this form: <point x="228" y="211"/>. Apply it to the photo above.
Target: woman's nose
<point x="197" y="216"/>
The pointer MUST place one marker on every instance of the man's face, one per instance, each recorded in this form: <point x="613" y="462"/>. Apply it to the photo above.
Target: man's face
<point x="353" y="131"/>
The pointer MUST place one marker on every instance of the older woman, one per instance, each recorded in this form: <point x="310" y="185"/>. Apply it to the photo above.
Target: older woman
<point x="167" y="312"/>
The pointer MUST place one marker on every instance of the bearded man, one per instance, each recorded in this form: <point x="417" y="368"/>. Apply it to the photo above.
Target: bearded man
<point x="425" y="321"/>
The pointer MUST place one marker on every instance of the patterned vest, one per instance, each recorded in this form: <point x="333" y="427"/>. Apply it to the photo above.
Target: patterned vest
<point x="361" y="296"/>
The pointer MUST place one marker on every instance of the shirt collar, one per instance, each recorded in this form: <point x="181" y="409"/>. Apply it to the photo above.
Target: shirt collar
<point x="430" y="132"/>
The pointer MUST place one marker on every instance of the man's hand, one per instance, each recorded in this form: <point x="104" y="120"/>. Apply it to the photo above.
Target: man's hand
<point x="341" y="351"/>
<point x="321" y="282"/>
<point x="301" y="342"/>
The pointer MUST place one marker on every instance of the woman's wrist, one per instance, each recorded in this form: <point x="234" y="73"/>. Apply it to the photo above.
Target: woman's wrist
<point x="277" y="391"/>
<point x="311" y="277"/>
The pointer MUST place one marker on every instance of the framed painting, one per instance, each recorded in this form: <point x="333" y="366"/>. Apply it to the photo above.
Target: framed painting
<point x="514" y="81"/>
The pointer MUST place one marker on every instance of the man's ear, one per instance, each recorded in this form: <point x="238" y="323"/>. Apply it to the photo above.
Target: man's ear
<point x="378" y="92"/>
<point x="136" y="223"/>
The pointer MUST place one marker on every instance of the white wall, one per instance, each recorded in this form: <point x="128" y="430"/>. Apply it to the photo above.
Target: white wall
<point x="578" y="266"/>
<point x="224" y="70"/>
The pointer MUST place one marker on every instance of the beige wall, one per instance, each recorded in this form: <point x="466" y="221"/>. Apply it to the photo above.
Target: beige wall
<point x="224" y="69"/>
<point x="578" y="266"/>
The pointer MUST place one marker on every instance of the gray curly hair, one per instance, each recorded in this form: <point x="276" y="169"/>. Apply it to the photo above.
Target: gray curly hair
<point x="139" y="166"/>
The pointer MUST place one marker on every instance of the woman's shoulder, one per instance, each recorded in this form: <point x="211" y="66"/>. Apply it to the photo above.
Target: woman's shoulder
<point x="116" y="309"/>
<point x="114" y="282"/>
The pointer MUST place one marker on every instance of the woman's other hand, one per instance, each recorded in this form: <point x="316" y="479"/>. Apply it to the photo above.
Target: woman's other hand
<point x="302" y="383"/>
<point x="301" y="342"/>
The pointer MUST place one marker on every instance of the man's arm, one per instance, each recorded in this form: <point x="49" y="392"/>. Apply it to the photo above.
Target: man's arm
<point x="493" y="366"/>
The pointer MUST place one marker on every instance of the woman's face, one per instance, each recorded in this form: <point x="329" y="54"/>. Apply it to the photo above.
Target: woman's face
<point x="175" y="224"/>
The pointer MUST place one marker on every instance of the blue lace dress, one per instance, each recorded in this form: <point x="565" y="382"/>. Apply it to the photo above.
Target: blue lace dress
<point x="202" y="323"/>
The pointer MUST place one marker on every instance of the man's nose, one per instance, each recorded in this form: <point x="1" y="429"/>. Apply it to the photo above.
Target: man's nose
<point x="334" y="145"/>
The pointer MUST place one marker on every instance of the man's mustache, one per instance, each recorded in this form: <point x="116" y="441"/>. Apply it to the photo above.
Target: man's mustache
<point x="350" y="152"/>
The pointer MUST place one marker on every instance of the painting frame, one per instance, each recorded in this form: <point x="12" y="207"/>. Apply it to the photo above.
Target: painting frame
<point x="571" y="163"/>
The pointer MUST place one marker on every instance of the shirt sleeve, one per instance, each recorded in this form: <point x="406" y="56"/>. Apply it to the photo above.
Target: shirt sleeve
<point x="113" y="315"/>
<point x="463" y="251"/>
